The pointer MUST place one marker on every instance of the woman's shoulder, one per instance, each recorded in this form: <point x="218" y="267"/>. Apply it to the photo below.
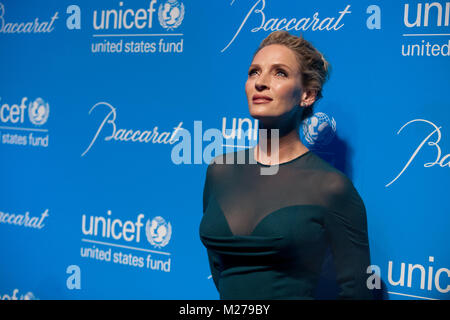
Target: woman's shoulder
<point x="332" y="180"/>
<point x="225" y="163"/>
<point x="229" y="159"/>
<point x="339" y="194"/>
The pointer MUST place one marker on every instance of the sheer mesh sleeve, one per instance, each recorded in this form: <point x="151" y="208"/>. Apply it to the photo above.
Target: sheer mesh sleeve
<point x="346" y="229"/>
<point x="212" y="257"/>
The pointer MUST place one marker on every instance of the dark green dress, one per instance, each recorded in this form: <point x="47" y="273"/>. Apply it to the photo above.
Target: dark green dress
<point x="267" y="235"/>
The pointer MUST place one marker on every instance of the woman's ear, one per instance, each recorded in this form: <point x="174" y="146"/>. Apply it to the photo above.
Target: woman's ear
<point x="308" y="98"/>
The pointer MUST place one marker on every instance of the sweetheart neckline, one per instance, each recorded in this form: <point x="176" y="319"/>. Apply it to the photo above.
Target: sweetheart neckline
<point x="251" y="235"/>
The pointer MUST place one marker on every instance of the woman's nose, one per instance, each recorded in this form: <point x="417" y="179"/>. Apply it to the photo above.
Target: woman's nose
<point x="262" y="82"/>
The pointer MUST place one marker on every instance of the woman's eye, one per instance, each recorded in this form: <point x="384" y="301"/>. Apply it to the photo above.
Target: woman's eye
<point x="252" y="72"/>
<point x="281" y="73"/>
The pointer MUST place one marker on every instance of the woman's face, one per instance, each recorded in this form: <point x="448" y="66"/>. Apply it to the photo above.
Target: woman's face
<point x="274" y="87"/>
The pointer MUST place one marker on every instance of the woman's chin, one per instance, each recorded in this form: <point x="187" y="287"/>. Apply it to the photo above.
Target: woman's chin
<point x="261" y="114"/>
<point x="260" y="111"/>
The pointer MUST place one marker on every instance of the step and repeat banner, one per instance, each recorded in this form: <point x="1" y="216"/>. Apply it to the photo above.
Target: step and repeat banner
<point x="110" y="112"/>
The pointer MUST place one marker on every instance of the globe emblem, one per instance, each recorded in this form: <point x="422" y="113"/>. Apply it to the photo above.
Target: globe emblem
<point x="319" y="129"/>
<point x="171" y="14"/>
<point x="29" y="296"/>
<point x="38" y="111"/>
<point x="158" y="231"/>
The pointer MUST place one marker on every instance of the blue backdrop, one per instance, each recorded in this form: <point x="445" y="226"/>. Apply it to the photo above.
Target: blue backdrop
<point x="104" y="112"/>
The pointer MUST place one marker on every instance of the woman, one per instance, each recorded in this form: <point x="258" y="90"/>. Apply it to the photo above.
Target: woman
<point x="267" y="235"/>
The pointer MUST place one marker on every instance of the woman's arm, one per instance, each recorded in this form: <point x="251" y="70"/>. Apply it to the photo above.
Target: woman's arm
<point x="346" y="229"/>
<point x="213" y="262"/>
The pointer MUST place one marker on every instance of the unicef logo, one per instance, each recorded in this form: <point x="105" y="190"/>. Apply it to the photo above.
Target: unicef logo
<point x="319" y="129"/>
<point x="158" y="231"/>
<point x="29" y="296"/>
<point x="38" y="112"/>
<point x="171" y="14"/>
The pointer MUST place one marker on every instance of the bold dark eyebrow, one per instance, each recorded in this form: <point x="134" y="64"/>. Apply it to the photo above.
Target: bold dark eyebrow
<point x="276" y="65"/>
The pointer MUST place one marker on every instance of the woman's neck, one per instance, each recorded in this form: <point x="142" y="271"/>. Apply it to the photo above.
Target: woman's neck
<point x="289" y="146"/>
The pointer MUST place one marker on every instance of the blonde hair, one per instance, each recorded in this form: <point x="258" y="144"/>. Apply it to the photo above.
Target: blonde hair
<point x="314" y="69"/>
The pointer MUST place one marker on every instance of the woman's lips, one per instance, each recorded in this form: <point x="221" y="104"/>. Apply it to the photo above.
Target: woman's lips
<point x="258" y="99"/>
